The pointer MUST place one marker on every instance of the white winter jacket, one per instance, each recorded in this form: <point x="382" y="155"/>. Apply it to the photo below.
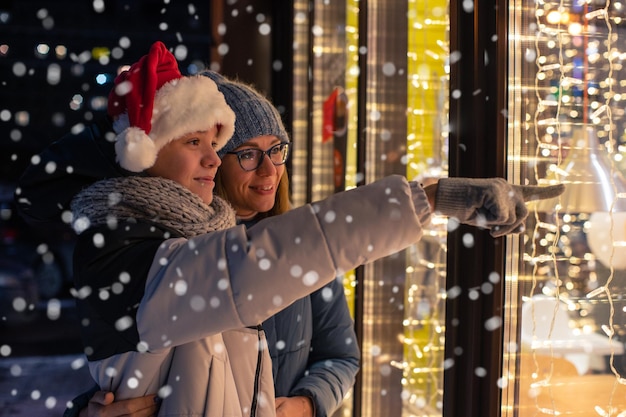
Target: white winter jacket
<point x="179" y="316"/>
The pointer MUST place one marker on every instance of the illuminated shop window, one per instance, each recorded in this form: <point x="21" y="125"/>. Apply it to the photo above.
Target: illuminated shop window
<point x="567" y="90"/>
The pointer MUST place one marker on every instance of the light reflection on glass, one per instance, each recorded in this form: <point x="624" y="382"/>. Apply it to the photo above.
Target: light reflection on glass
<point x="572" y="274"/>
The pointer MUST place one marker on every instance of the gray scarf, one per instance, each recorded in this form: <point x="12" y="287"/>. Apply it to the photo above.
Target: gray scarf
<point x="156" y="199"/>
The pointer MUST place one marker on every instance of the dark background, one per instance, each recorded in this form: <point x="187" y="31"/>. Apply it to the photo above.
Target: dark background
<point x="58" y="60"/>
<point x="52" y="109"/>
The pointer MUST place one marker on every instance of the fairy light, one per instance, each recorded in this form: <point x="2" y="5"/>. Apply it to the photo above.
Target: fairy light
<point x="427" y="132"/>
<point x="576" y="93"/>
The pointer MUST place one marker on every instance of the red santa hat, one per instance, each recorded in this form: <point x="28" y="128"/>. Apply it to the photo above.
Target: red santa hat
<point x="153" y="104"/>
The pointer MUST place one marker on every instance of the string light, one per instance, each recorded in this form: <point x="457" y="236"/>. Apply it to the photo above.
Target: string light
<point x="427" y="133"/>
<point x="575" y="111"/>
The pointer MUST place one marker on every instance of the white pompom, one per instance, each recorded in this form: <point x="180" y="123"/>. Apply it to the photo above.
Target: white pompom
<point x="135" y="150"/>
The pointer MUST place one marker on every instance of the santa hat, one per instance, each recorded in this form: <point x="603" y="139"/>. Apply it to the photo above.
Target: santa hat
<point x="153" y="104"/>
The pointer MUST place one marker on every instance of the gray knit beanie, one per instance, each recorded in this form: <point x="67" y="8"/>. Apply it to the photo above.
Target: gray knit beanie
<point x="254" y="114"/>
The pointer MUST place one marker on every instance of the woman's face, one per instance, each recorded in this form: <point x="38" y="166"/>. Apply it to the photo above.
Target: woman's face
<point x="251" y="192"/>
<point x="191" y="161"/>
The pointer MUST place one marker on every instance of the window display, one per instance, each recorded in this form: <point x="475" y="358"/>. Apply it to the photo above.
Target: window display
<point x="565" y="348"/>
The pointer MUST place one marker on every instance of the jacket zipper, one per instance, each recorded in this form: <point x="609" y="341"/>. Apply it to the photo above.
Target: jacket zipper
<point x="257" y="374"/>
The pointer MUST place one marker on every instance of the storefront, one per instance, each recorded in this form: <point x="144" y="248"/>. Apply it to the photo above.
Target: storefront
<point x="463" y="324"/>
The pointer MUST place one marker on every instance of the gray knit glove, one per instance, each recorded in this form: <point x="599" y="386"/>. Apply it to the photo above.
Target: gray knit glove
<point x="490" y="203"/>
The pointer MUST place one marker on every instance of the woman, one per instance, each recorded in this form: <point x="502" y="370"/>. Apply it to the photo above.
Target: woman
<point x="315" y="355"/>
<point x="155" y="257"/>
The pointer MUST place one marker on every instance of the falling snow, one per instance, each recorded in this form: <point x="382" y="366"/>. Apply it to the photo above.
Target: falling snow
<point x="84" y="102"/>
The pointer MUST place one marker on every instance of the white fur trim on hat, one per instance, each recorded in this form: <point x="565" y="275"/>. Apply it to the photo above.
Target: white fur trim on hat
<point x="181" y="106"/>
<point x="190" y="104"/>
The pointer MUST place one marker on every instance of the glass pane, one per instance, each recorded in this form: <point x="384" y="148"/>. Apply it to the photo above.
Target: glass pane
<point x="427" y="155"/>
<point x="325" y="112"/>
<point x="567" y="273"/>
<point x="299" y="126"/>
<point x="404" y="131"/>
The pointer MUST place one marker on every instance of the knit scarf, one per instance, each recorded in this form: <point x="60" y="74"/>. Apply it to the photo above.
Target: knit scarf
<point x="154" y="199"/>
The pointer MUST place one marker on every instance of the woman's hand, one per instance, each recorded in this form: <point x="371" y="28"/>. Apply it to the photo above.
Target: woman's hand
<point x="294" y="407"/>
<point x="102" y="405"/>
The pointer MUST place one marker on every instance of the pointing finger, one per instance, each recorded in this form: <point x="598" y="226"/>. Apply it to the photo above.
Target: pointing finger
<point x="533" y="192"/>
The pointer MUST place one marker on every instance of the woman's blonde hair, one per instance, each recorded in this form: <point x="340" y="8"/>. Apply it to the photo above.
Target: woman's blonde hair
<point x="281" y="203"/>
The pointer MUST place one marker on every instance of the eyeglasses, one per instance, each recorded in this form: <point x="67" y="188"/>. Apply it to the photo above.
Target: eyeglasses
<point x="251" y="159"/>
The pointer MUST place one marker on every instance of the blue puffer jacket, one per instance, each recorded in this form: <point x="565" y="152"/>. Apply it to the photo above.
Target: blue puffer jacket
<point x="314" y="348"/>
